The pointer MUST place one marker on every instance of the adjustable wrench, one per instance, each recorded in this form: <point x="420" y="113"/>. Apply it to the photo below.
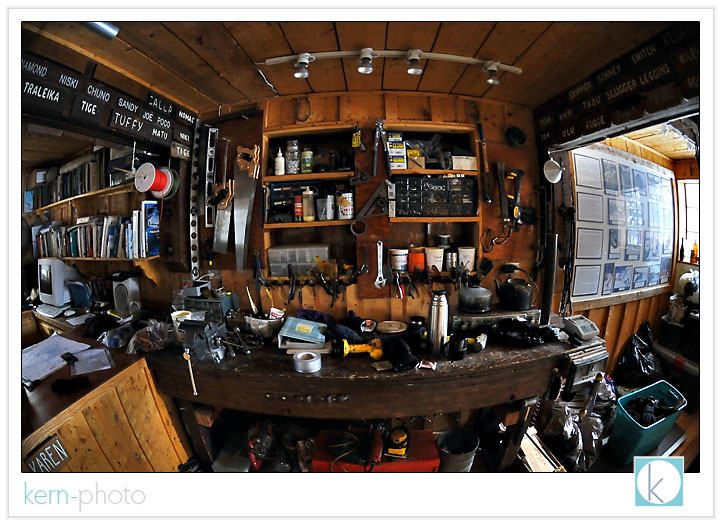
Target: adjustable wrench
<point x="380" y="279"/>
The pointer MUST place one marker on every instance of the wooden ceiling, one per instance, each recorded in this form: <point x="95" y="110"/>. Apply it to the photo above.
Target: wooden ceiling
<point x="202" y="65"/>
<point x="44" y="147"/>
<point x="670" y="143"/>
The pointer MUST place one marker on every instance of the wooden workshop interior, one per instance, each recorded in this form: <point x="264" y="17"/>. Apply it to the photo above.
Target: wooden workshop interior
<point x="274" y="236"/>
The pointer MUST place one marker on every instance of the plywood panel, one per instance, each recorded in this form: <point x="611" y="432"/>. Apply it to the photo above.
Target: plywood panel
<point x="170" y="419"/>
<point x="404" y="36"/>
<point x="217" y="47"/>
<point x="148" y="428"/>
<point x="355" y="36"/>
<point x="262" y="40"/>
<point x="506" y="43"/>
<point x="111" y="428"/>
<point x="85" y="453"/>
<point x="459" y="38"/>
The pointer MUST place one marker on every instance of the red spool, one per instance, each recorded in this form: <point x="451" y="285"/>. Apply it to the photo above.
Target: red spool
<point x="148" y="178"/>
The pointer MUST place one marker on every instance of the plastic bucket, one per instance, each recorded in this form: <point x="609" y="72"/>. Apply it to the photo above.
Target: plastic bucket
<point x="457" y="448"/>
<point x="629" y="438"/>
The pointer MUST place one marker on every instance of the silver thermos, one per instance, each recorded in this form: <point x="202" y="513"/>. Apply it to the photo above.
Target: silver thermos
<point x="438" y="321"/>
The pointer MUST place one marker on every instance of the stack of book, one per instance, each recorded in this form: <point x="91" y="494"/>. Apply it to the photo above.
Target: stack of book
<point x="105" y="237"/>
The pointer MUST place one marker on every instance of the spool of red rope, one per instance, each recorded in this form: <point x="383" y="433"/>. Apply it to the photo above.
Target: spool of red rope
<point x="147" y="178"/>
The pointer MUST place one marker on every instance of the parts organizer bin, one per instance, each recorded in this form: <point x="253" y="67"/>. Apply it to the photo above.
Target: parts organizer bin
<point x="300" y="256"/>
<point x="435" y="196"/>
<point x="629" y="438"/>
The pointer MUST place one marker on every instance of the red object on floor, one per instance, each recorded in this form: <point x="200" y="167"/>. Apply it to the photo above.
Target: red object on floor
<point x="422" y="455"/>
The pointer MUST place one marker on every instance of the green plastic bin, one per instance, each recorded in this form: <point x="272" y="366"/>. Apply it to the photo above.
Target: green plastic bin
<point x="629" y="438"/>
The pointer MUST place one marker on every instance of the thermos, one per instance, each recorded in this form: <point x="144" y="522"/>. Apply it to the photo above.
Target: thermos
<point x="438" y="322"/>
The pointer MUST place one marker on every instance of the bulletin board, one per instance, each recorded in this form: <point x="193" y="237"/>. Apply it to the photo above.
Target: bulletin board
<point x="625" y="223"/>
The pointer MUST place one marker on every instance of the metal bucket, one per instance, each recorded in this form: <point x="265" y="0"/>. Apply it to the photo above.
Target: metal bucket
<point x="457" y="448"/>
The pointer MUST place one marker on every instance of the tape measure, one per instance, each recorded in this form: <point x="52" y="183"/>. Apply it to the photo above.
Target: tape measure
<point x="396" y="442"/>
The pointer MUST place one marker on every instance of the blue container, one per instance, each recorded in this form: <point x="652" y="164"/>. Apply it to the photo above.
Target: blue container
<point x="629" y="438"/>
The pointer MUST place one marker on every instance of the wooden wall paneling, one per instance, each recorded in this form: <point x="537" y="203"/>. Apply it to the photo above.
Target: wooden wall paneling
<point x="599" y="317"/>
<point x="686" y="169"/>
<point x="460" y="38"/>
<point x="158" y="43"/>
<point x="405" y="36"/>
<point x="613" y="325"/>
<point x="83" y="449"/>
<point x="626" y="331"/>
<point x="413" y="108"/>
<point x="507" y="43"/>
<point x="221" y="52"/>
<point x="653" y="315"/>
<point x="148" y="428"/>
<point x="110" y="426"/>
<point x="262" y="40"/>
<point x="118" y="55"/>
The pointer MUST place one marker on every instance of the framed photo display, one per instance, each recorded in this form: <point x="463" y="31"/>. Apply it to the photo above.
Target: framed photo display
<point x="625" y="223"/>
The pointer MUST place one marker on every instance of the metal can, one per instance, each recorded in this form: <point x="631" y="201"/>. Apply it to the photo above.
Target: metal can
<point x="344" y="203"/>
<point x="450" y="259"/>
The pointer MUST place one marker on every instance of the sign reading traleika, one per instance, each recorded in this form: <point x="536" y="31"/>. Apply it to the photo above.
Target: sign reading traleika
<point x="50" y="88"/>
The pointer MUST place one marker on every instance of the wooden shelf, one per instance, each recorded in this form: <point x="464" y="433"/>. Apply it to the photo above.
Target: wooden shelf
<point x="433" y="219"/>
<point x="330" y="175"/>
<point x="113" y="190"/>
<point x="312" y="129"/>
<point x="314" y="224"/>
<point x="419" y="171"/>
<point x="109" y="259"/>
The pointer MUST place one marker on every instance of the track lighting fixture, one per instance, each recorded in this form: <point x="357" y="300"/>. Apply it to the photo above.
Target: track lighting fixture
<point x="493" y="70"/>
<point x="301" y="66"/>
<point x="412" y="58"/>
<point x="365" y="67"/>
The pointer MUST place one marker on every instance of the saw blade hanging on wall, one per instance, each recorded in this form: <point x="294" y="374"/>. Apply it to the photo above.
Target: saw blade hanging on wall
<point x="224" y="207"/>
<point x="246" y="170"/>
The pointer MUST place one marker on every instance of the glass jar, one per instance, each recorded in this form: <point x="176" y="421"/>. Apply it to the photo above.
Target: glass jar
<point x="307" y="160"/>
<point x="292" y="164"/>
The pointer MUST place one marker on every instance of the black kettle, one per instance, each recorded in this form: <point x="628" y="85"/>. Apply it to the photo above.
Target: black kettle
<point x="514" y="294"/>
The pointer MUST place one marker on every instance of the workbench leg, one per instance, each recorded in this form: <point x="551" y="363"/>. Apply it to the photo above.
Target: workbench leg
<point x="199" y="435"/>
<point x="514" y="433"/>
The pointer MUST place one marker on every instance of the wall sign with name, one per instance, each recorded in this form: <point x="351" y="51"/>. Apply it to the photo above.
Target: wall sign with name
<point x="50" y="456"/>
<point x="49" y="88"/>
<point x="652" y="77"/>
<point x="180" y="151"/>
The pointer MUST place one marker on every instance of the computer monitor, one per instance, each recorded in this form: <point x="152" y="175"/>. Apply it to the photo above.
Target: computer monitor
<point x="52" y="277"/>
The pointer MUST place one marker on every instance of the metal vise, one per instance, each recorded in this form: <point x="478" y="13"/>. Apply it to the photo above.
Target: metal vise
<point x="204" y="339"/>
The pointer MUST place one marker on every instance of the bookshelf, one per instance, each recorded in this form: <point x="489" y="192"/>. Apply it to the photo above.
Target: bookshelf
<point x="120" y="189"/>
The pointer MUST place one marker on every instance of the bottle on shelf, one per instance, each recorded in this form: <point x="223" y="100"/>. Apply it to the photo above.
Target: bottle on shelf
<point x="280" y="164"/>
<point x="297" y="208"/>
<point x="309" y="211"/>
<point x="307" y="161"/>
<point x="694" y="255"/>
<point x="292" y="166"/>
<point x="681" y="249"/>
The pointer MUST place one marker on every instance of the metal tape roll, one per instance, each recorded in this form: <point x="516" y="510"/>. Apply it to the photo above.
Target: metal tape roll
<point x="307" y="362"/>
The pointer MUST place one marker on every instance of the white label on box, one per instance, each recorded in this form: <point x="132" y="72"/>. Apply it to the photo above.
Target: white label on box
<point x="392" y="208"/>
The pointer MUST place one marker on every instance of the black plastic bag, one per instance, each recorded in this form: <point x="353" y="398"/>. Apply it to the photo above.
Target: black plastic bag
<point x="638" y="366"/>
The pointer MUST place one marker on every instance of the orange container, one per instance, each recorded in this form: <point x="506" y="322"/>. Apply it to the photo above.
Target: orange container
<point x="417" y="259"/>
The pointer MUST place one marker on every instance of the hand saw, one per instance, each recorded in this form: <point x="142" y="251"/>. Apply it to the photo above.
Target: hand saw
<point x="246" y="172"/>
<point x="223" y="207"/>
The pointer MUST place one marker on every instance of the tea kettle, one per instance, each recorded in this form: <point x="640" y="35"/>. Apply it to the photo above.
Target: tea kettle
<point x="514" y="294"/>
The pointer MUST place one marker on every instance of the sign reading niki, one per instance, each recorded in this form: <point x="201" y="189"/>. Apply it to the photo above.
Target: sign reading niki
<point x="48" y="457"/>
<point x="160" y="104"/>
<point x="182" y="135"/>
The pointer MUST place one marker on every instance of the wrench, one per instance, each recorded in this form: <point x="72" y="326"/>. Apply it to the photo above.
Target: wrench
<point x="380" y="279"/>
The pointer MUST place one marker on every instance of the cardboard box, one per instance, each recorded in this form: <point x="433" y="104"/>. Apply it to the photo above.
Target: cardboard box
<point x="397" y="150"/>
<point x="416" y="160"/>
<point x="463" y="163"/>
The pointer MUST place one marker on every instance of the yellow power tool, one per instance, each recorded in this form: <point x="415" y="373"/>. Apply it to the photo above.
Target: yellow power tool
<point x="373" y="347"/>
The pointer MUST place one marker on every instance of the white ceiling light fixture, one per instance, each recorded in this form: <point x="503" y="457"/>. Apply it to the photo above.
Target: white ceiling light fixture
<point x="493" y="70"/>
<point x="412" y="58"/>
<point x="364" y="64"/>
<point x="301" y="66"/>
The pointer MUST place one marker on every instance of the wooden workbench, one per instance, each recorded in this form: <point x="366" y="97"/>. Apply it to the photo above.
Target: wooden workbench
<point x="350" y="387"/>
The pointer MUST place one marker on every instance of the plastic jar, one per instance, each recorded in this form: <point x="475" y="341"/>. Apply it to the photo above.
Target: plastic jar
<point x="292" y="165"/>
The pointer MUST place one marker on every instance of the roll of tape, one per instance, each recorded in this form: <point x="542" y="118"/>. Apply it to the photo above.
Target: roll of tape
<point x="307" y="362"/>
